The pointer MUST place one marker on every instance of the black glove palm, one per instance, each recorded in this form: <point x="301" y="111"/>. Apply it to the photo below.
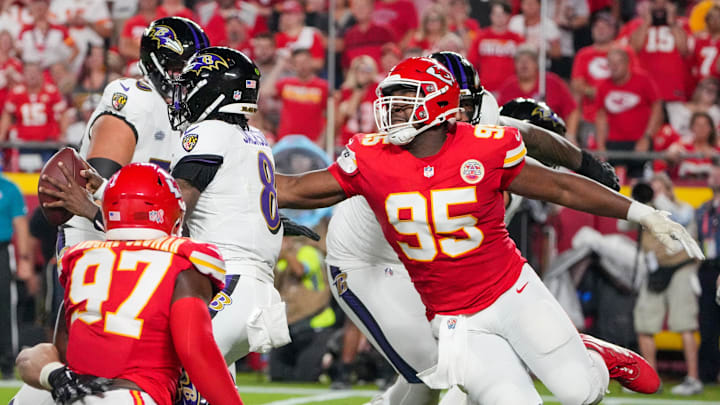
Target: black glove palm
<point x="69" y="386"/>
<point x="602" y="172"/>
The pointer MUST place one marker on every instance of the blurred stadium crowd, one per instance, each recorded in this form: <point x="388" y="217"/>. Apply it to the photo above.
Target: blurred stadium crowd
<point x="635" y="80"/>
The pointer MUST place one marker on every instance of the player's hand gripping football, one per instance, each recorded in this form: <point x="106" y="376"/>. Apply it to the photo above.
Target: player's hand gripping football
<point x="70" y="195"/>
<point x="671" y="234"/>
<point x="291" y="228"/>
<point x="68" y="386"/>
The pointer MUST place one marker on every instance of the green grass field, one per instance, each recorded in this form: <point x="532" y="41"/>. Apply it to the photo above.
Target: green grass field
<point x="256" y="391"/>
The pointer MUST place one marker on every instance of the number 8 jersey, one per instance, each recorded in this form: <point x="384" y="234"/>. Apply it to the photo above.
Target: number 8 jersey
<point x="237" y="210"/>
<point x="444" y="214"/>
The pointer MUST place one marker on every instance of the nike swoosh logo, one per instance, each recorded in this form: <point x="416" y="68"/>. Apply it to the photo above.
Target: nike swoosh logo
<point x="519" y="290"/>
<point x="123" y="87"/>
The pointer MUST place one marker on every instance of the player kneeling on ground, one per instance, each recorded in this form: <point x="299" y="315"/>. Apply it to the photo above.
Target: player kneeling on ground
<point x="136" y="305"/>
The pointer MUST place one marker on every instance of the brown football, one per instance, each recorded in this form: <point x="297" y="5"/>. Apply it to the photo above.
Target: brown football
<point x="74" y="163"/>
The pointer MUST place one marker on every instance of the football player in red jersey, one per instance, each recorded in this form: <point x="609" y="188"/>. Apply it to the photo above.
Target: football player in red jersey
<point x="136" y="305"/>
<point x="436" y="189"/>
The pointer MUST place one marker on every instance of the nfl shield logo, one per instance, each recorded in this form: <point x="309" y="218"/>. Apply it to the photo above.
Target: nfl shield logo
<point x="237" y="95"/>
<point x="451" y="323"/>
<point x="428" y="171"/>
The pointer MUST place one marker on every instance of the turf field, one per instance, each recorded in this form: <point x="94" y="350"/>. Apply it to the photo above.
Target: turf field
<point x="256" y="391"/>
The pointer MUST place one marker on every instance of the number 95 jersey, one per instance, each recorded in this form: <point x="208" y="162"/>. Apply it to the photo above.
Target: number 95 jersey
<point x="444" y="214"/>
<point x="237" y="211"/>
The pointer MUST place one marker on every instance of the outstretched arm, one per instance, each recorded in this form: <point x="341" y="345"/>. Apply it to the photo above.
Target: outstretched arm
<point x="551" y="148"/>
<point x="573" y="191"/>
<point x="309" y="190"/>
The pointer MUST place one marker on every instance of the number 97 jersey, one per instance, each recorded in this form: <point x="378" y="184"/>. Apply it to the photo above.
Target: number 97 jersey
<point x="237" y="209"/>
<point x="117" y="307"/>
<point x="444" y="214"/>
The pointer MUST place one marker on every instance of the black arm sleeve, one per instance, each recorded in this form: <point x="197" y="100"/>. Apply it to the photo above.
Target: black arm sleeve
<point x="198" y="170"/>
<point x="104" y="166"/>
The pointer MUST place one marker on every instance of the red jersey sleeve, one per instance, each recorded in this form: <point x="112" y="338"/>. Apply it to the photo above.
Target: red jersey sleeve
<point x="513" y="151"/>
<point x="10" y="103"/>
<point x="206" y="259"/>
<point x="345" y="168"/>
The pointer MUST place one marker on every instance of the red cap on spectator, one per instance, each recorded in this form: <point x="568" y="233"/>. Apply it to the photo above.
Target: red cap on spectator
<point x="291" y="6"/>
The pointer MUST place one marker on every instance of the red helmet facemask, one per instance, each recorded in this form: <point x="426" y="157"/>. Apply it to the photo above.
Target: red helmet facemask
<point x="142" y="201"/>
<point x="436" y="98"/>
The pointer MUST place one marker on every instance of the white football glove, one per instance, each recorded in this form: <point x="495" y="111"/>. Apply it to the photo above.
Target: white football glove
<point x="671" y="234"/>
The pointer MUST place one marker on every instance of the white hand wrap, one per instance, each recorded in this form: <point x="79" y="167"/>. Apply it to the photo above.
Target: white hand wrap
<point x="671" y="234"/>
<point x="45" y="374"/>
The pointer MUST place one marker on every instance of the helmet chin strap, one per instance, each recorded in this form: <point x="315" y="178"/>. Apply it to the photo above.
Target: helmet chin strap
<point x="402" y="136"/>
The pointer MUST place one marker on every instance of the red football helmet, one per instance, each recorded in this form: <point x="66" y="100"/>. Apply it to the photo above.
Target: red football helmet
<point x="436" y="99"/>
<point x="140" y="200"/>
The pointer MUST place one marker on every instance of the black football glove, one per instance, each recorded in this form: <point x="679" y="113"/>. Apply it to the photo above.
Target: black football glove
<point x="602" y="172"/>
<point x="292" y="228"/>
<point x="69" y="386"/>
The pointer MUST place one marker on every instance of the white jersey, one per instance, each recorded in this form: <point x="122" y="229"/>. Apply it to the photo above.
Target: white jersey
<point x="238" y="210"/>
<point x="143" y="109"/>
<point x="354" y="235"/>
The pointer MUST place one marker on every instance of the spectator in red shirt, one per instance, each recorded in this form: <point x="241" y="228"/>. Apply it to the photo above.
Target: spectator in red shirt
<point x="295" y="35"/>
<point x="43" y="42"/>
<point x="629" y="110"/>
<point x="175" y="8"/>
<point x="304" y="98"/>
<point x="705" y="47"/>
<point x="704" y="142"/>
<point x="661" y="45"/>
<point x="237" y="35"/>
<point x="399" y="15"/>
<point x="355" y="110"/>
<point x="36" y="107"/>
<point x="10" y="67"/>
<point x="365" y="37"/>
<point x="591" y="66"/>
<point x="493" y="50"/>
<point x="134" y="27"/>
<point x="525" y="84"/>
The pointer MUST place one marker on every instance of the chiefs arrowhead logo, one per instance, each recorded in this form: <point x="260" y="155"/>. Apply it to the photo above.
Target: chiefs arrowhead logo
<point x="618" y="101"/>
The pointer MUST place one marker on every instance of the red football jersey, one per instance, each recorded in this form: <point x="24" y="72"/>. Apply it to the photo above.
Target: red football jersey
<point x="443" y="215"/>
<point x="628" y="105"/>
<point x="704" y="57"/>
<point x="492" y="54"/>
<point x="117" y="307"/>
<point x="37" y="114"/>
<point x="661" y="59"/>
<point x="557" y="93"/>
<point x="303" y="107"/>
